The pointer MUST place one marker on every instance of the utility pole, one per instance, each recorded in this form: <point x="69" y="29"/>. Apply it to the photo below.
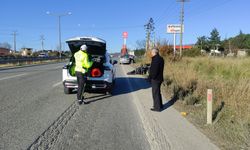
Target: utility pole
<point x="42" y="39"/>
<point x="149" y="27"/>
<point x="59" y="28"/>
<point x="182" y="22"/>
<point x="14" y="36"/>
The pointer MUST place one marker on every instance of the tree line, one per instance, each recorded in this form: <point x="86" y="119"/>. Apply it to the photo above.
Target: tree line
<point x="240" y="41"/>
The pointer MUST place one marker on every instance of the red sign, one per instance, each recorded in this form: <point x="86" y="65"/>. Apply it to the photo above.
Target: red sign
<point x="125" y="34"/>
<point x="209" y="97"/>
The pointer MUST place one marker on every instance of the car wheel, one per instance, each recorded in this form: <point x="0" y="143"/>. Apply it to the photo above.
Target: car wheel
<point x="67" y="90"/>
<point x="109" y="92"/>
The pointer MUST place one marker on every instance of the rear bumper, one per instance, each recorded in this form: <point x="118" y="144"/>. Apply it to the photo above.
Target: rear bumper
<point x="90" y="85"/>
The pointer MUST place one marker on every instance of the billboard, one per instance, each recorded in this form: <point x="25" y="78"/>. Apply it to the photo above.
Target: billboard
<point x="174" y="28"/>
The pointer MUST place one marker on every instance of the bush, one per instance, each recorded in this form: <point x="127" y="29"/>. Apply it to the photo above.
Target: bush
<point x="192" y="52"/>
<point x="248" y="52"/>
<point x="139" y="52"/>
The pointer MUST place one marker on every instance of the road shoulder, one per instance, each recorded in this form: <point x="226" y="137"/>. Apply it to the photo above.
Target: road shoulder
<point x="166" y="129"/>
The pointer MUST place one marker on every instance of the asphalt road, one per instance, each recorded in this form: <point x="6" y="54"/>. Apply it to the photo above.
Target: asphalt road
<point x="35" y="113"/>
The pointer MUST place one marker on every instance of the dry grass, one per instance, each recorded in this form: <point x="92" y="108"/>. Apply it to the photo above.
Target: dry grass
<point x="27" y="63"/>
<point x="229" y="78"/>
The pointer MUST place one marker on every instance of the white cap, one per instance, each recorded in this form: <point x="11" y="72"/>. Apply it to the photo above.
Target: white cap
<point x="84" y="47"/>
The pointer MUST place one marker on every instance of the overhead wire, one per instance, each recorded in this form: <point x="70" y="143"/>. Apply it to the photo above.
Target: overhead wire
<point x="202" y="8"/>
<point x="164" y="12"/>
<point x="199" y="6"/>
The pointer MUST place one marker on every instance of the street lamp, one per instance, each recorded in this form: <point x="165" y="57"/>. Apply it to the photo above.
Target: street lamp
<point x="59" y="27"/>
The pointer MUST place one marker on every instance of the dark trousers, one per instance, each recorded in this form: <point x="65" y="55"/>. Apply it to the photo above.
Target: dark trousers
<point x="81" y="79"/>
<point x="156" y="92"/>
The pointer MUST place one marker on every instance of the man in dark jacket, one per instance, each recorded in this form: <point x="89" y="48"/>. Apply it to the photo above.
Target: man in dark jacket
<point x="156" y="78"/>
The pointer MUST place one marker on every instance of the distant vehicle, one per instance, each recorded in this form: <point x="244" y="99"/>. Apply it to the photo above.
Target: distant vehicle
<point x="43" y="55"/>
<point x="101" y="77"/>
<point x="127" y="59"/>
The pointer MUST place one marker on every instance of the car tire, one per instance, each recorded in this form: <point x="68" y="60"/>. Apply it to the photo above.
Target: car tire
<point x="67" y="90"/>
<point x="109" y="92"/>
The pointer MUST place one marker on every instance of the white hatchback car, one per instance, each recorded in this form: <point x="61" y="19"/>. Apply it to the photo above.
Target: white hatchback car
<point x="101" y="76"/>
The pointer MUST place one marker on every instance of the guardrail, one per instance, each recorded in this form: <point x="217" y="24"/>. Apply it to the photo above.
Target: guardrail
<point x="27" y="60"/>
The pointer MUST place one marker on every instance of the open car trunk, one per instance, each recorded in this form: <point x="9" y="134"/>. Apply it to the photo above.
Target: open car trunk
<point x="96" y="48"/>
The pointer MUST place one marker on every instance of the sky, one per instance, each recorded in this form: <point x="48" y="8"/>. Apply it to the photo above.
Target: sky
<point x="110" y="18"/>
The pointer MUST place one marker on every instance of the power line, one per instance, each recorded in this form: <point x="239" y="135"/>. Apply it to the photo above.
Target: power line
<point x="166" y="11"/>
<point x="202" y="7"/>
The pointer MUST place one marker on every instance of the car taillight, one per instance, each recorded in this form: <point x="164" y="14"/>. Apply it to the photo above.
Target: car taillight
<point x="96" y="72"/>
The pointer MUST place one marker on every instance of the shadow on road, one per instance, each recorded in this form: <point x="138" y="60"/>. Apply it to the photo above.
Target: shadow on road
<point x="169" y="103"/>
<point x="123" y="85"/>
<point x="126" y="85"/>
<point x="97" y="98"/>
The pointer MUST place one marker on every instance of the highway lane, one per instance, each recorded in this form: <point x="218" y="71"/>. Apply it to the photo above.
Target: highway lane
<point x="35" y="112"/>
<point x="29" y="103"/>
<point x="108" y="122"/>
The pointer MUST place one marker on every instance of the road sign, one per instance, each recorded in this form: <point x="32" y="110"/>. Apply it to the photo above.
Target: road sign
<point x="174" y="28"/>
<point x="125" y="34"/>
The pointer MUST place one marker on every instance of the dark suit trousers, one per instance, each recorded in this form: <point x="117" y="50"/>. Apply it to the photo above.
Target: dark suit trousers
<point x="81" y="83"/>
<point x="156" y="92"/>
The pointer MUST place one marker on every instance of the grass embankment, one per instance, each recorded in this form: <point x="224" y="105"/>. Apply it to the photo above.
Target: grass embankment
<point x="29" y="63"/>
<point x="188" y="80"/>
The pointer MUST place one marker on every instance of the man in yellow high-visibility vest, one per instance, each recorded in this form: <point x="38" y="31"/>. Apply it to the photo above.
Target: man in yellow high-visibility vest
<point x="82" y="65"/>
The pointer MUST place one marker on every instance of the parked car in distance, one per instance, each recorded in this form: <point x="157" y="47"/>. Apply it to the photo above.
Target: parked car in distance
<point x="101" y="76"/>
<point x="127" y="59"/>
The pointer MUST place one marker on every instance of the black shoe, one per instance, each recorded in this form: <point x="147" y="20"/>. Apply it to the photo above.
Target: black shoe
<point x="157" y="110"/>
<point x="79" y="102"/>
<point x="85" y="102"/>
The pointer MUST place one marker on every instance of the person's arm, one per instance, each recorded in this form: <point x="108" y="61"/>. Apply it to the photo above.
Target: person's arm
<point x="154" y="69"/>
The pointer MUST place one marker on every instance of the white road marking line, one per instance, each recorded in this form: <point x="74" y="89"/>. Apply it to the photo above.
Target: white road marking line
<point x="57" y="84"/>
<point x="9" y="77"/>
<point x="59" y="67"/>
